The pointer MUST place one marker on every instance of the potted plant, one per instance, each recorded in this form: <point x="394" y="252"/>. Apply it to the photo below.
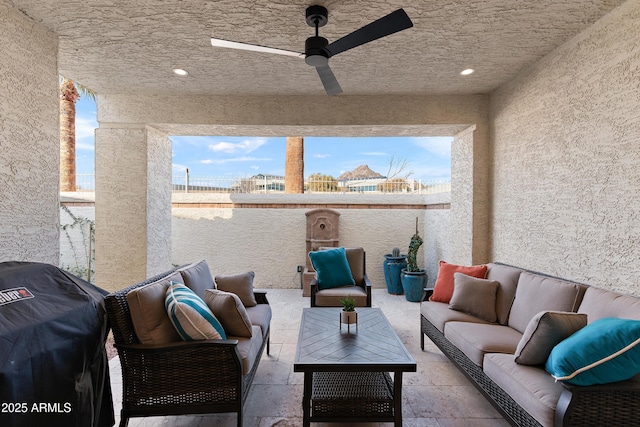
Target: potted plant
<point x="392" y="266"/>
<point x="413" y="278"/>
<point x="348" y="315"/>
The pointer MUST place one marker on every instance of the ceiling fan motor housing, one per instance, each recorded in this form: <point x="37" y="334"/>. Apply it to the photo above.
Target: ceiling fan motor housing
<point x="315" y="54"/>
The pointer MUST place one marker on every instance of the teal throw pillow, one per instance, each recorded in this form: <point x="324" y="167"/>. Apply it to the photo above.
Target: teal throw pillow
<point x="190" y="315"/>
<point x="602" y="352"/>
<point x="332" y="268"/>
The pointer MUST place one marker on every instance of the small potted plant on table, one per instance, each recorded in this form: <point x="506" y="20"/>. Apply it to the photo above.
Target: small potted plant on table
<point x="348" y="315"/>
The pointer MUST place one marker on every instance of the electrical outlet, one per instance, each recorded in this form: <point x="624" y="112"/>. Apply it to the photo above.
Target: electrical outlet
<point x="299" y="269"/>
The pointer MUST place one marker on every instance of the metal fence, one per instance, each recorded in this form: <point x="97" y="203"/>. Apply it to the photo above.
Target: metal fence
<point x="266" y="184"/>
<point x="85" y="182"/>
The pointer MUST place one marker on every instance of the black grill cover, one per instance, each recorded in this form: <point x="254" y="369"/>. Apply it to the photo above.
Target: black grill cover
<point x="53" y="364"/>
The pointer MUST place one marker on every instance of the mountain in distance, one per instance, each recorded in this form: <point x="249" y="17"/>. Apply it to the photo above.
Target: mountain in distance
<point x="361" y="172"/>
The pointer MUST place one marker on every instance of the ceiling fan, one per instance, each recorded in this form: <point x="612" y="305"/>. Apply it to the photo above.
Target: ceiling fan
<point x="318" y="50"/>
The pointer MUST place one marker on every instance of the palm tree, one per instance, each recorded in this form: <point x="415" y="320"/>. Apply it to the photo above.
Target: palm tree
<point x="294" y="165"/>
<point x="70" y="92"/>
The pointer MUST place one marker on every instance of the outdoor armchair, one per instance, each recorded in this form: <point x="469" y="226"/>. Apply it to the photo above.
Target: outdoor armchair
<point x="323" y="296"/>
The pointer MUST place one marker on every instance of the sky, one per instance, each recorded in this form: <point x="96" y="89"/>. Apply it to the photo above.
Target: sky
<point x="427" y="158"/>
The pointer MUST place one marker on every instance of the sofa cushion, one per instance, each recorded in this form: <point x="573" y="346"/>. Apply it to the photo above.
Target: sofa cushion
<point x="331" y="297"/>
<point x="599" y="303"/>
<point x="249" y="348"/>
<point x="543" y="332"/>
<point x="536" y="293"/>
<point x="228" y="308"/>
<point x="477" y="339"/>
<point x="148" y="314"/>
<point x="439" y="313"/>
<point x="443" y="289"/>
<point x="239" y="284"/>
<point x="332" y="268"/>
<point x="474" y="296"/>
<point x="602" y="352"/>
<point x="260" y="315"/>
<point x="530" y="387"/>
<point x="507" y="277"/>
<point x="197" y="277"/>
<point x="190" y="315"/>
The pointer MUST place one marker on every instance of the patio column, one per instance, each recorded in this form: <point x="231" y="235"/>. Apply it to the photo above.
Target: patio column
<point x="470" y="196"/>
<point x="133" y="205"/>
<point x="294" y="166"/>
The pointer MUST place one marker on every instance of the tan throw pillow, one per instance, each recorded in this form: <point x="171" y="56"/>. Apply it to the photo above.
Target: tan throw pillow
<point x="197" y="277"/>
<point x="544" y="332"/>
<point x="239" y="284"/>
<point x="148" y="314"/>
<point x="230" y="311"/>
<point x="474" y="296"/>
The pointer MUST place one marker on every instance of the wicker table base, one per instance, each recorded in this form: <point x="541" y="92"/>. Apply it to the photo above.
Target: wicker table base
<point x="353" y="396"/>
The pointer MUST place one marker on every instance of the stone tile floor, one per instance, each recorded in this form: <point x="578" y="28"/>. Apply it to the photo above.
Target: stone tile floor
<point x="437" y="395"/>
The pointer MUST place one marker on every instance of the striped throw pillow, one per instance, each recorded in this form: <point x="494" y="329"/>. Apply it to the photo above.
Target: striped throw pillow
<point x="190" y="315"/>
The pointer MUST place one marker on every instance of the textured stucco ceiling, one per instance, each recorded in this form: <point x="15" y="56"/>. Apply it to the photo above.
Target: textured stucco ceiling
<point x="125" y="47"/>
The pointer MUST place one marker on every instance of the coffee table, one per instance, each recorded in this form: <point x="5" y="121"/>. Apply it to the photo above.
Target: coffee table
<point x="347" y="374"/>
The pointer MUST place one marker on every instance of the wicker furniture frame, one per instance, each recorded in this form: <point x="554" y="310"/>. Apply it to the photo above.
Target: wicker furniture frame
<point x="339" y="384"/>
<point x="611" y="405"/>
<point x="197" y="377"/>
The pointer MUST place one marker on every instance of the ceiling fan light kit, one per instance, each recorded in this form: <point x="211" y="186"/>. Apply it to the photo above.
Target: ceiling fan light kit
<point x="318" y="50"/>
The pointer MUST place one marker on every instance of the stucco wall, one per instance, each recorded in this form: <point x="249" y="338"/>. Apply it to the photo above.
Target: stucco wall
<point x="133" y="199"/>
<point x="566" y="170"/>
<point x="158" y="202"/>
<point x="469" y="204"/>
<point x="29" y="142"/>
<point x="271" y="241"/>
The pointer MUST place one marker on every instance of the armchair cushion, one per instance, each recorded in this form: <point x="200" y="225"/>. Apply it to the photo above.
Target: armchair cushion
<point x="239" y="284"/>
<point x="190" y="315"/>
<point x="331" y="297"/>
<point x="332" y="268"/>
<point x="148" y="314"/>
<point x="227" y="307"/>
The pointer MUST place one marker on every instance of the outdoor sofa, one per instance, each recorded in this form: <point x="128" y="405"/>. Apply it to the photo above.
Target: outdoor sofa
<point x="165" y="375"/>
<point x="530" y="305"/>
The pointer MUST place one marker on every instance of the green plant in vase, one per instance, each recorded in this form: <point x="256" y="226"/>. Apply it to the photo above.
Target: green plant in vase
<point x="348" y="303"/>
<point x="348" y="315"/>
<point x="413" y="277"/>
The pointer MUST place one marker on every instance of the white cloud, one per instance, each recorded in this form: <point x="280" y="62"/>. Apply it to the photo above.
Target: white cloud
<point x="240" y="159"/>
<point x="178" y="168"/>
<point x="375" y="153"/>
<point x="206" y="161"/>
<point x="246" y="146"/>
<point x="321" y="156"/>
<point x="85" y="127"/>
<point x="255" y="167"/>
<point x="84" y="146"/>
<point x="439" y="146"/>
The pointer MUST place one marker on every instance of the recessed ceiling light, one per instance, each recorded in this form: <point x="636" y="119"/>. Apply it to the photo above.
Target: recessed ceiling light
<point x="467" y="71"/>
<point x="180" y="72"/>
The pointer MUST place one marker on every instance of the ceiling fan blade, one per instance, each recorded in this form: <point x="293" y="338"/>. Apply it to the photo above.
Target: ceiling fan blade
<point x="392" y="23"/>
<point x="253" y="47"/>
<point x="329" y="81"/>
